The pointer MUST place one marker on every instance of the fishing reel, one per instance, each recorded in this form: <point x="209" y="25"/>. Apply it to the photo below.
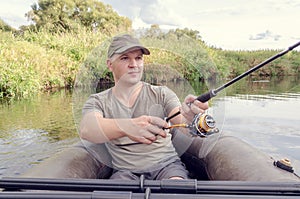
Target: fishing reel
<point x="203" y="125"/>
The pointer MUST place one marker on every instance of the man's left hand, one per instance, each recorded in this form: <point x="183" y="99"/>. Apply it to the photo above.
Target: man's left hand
<point x="190" y="107"/>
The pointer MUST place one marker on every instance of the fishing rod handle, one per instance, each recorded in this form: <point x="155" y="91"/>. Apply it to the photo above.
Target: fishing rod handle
<point x="202" y="98"/>
<point x="294" y="46"/>
<point x="206" y="96"/>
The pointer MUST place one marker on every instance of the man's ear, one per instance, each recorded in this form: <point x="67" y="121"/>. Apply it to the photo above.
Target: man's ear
<point x="109" y="65"/>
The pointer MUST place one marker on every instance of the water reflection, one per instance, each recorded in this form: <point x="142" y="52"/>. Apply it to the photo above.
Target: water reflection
<point x="24" y="148"/>
<point x="270" y="117"/>
<point x="51" y="112"/>
<point x="32" y="130"/>
<point x="263" y="113"/>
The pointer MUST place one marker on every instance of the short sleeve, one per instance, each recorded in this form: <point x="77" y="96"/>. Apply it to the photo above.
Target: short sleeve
<point x="170" y="99"/>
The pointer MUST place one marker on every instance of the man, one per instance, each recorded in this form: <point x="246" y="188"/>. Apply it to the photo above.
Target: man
<point x="129" y="117"/>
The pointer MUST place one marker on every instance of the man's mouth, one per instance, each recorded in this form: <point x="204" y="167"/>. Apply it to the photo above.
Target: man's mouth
<point x="133" y="72"/>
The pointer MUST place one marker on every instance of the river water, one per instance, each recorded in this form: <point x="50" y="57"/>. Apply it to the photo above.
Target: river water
<point x="262" y="112"/>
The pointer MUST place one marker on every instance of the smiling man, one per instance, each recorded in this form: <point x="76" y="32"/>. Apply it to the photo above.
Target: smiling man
<point x="120" y="117"/>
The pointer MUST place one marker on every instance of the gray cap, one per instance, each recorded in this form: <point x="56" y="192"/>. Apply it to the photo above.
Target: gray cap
<point x="123" y="43"/>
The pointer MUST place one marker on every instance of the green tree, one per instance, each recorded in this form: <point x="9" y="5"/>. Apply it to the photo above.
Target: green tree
<point x="66" y="15"/>
<point x="194" y="34"/>
<point x="4" y="26"/>
<point x="154" y="32"/>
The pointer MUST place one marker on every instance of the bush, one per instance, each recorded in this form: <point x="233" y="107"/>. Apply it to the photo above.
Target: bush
<point x="35" y="61"/>
<point x="27" y="68"/>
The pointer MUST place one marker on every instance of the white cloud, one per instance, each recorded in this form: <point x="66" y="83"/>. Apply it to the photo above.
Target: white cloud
<point x="229" y="24"/>
<point x="265" y="35"/>
<point x="159" y="13"/>
<point x="13" y="11"/>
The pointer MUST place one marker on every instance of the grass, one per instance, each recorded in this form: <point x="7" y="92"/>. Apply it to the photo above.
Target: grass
<point x="39" y="61"/>
<point x="33" y="62"/>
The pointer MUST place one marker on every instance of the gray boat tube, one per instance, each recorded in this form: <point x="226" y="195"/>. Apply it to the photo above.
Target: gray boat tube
<point x="231" y="159"/>
<point x="77" y="161"/>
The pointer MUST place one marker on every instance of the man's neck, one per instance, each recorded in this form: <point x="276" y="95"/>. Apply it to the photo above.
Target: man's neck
<point x="127" y="95"/>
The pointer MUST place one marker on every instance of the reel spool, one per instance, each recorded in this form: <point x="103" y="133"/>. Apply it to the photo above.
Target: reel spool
<point x="203" y="125"/>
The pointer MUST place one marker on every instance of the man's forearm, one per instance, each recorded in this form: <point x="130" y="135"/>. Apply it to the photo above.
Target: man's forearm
<point x="97" y="129"/>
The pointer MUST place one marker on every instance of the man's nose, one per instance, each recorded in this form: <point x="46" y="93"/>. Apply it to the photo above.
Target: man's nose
<point x="133" y="63"/>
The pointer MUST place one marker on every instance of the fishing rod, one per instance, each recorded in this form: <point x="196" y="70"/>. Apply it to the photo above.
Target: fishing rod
<point x="212" y="93"/>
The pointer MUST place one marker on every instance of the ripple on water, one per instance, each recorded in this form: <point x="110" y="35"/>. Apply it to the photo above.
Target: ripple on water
<point x="27" y="146"/>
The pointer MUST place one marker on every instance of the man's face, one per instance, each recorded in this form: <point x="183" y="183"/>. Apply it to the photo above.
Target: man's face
<point x="127" y="67"/>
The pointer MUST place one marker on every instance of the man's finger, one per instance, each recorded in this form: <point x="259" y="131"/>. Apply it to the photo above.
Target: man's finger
<point x="158" y="122"/>
<point x="155" y="130"/>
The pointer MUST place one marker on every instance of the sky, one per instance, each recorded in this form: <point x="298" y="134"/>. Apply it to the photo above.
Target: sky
<point x="226" y="24"/>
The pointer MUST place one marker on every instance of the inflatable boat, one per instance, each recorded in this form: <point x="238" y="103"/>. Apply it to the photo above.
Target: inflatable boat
<point x="231" y="168"/>
<point x="230" y="158"/>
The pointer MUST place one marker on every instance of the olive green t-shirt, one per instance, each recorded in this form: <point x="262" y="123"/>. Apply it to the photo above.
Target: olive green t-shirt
<point x="126" y="154"/>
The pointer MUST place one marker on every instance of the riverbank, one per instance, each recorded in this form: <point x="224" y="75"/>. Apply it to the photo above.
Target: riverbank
<point x="33" y="62"/>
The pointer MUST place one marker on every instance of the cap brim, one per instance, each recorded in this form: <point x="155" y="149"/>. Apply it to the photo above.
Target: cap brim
<point x="132" y="47"/>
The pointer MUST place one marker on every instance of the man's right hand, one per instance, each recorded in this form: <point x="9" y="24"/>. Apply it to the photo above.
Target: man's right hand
<point x="143" y="129"/>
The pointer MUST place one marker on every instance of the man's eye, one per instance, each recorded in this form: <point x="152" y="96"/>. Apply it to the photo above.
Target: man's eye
<point x="124" y="58"/>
